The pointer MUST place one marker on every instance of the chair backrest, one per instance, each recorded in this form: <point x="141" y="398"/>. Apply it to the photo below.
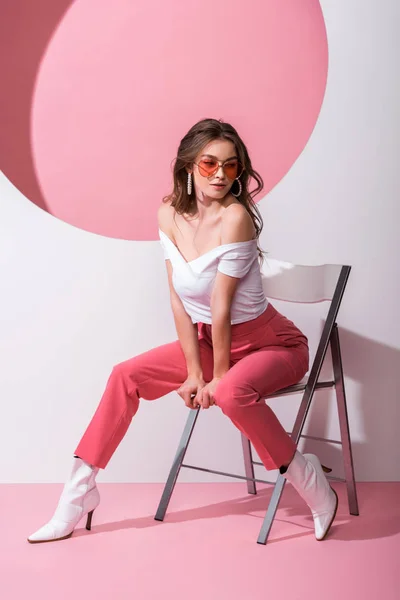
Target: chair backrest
<point x="299" y="283"/>
<point x="307" y="284"/>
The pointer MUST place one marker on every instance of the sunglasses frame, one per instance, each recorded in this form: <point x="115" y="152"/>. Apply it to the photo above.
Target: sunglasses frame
<point x="221" y="163"/>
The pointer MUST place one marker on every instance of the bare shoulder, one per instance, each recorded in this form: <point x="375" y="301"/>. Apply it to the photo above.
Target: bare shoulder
<point x="236" y="225"/>
<point x="165" y="214"/>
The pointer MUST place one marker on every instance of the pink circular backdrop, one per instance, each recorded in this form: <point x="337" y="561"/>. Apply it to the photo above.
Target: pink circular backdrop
<point x="120" y="83"/>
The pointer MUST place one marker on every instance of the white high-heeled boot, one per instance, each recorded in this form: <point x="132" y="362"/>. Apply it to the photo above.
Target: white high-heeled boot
<point x="79" y="497"/>
<point x="307" y="477"/>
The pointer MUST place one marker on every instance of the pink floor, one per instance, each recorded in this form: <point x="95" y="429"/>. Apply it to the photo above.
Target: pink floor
<point x="205" y="549"/>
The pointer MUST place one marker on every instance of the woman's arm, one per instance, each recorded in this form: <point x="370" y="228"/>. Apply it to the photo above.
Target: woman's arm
<point x="237" y="226"/>
<point x="221" y="339"/>
<point x="186" y="330"/>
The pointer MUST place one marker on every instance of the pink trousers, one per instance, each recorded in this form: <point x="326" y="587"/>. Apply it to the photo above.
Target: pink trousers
<point x="267" y="353"/>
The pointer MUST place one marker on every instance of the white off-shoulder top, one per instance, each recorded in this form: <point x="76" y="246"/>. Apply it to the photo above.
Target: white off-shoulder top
<point x="193" y="280"/>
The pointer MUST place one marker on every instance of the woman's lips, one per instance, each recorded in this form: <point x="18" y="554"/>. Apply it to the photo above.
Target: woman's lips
<point x="218" y="186"/>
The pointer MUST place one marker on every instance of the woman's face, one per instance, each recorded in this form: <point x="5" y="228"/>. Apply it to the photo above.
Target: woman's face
<point x="216" y="185"/>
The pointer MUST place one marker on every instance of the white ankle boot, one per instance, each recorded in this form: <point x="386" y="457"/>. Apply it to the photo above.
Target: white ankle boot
<point x="307" y="477"/>
<point x="80" y="497"/>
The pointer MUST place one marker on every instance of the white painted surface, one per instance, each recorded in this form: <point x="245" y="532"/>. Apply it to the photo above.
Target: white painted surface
<point x="73" y="303"/>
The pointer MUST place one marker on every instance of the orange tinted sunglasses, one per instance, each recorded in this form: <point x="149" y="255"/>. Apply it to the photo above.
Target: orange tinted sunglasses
<point x="209" y="166"/>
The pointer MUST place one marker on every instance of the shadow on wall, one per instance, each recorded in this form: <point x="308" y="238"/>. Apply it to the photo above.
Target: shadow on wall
<point x="26" y="30"/>
<point x="375" y="368"/>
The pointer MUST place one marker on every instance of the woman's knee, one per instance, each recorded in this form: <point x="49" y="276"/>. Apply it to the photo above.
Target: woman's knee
<point x="231" y="397"/>
<point x="127" y="368"/>
<point x="118" y="371"/>
<point x="125" y="373"/>
<point x="122" y="387"/>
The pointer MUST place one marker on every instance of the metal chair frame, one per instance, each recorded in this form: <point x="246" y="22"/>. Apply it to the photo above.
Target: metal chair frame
<point x="329" y="337"/>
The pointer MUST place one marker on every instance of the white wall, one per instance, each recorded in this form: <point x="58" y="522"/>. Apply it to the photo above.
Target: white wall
<point x="73" y="304"/>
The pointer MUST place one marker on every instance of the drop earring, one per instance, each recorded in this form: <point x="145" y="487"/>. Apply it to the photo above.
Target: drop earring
<point x="240" y="188"/>
<point x="189" y="183"/>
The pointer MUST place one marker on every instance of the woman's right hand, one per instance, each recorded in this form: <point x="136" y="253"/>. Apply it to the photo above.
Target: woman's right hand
<point x="189" y="388"/>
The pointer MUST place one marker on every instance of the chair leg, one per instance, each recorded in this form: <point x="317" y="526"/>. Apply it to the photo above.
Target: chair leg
<point x="344" y="422"/>
<point x="272" y="508"/>
<point x="296" y="433"/>
<point x="248" y="464"/>
<point x="176" y="465"/>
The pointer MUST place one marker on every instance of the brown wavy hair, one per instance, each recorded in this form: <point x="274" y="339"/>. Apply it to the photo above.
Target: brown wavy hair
<point x="203" y="132"/>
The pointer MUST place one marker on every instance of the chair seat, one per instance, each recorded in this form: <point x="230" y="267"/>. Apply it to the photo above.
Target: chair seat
<point x="299" y="387"/>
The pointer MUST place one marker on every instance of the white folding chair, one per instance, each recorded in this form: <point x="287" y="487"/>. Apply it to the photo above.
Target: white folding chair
<point x="300" y="284"/>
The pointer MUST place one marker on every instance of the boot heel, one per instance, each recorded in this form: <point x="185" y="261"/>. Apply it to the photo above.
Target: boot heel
<point x="89" y="520"/>
<point x="326" y="469"/>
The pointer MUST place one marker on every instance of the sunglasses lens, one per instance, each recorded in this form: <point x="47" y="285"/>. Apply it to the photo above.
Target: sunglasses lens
<point x="232" y="169"/>
<point x="207" y="167"/>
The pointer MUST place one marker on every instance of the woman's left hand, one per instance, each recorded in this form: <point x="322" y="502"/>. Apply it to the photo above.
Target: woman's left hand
<point x="205" y="396"/>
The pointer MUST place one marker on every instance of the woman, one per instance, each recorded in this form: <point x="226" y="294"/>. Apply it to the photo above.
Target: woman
<point x="233" y="347"/>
